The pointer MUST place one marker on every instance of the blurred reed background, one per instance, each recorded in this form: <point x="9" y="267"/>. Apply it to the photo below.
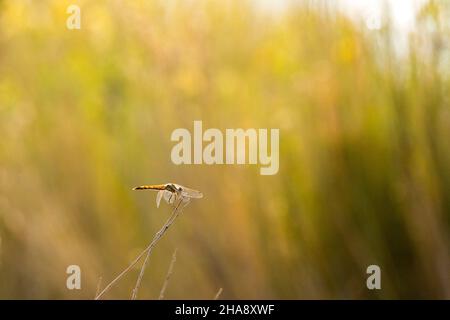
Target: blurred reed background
<point x="85" y="115"/>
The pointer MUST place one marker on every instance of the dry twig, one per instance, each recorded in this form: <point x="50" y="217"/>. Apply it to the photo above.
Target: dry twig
<point x="169" y="273"/>
<point x="218" y="294"/>
<point x="147" y="250"/>
<point x="99" y="284"/>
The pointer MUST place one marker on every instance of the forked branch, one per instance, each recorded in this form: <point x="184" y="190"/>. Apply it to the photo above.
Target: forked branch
<point x="147" y="251"/>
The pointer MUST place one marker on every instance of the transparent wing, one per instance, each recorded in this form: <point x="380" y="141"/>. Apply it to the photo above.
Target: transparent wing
<point x="191" y="193"/>
<point x="158" y="197"/>
<point x="169" y="197"/>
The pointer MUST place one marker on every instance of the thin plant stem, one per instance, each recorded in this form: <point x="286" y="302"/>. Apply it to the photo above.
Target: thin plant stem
<point x="218" y="294"/>
<point x="169" y="274"/>
<point x="99" y="284"/>
<point x="158" y="236"/>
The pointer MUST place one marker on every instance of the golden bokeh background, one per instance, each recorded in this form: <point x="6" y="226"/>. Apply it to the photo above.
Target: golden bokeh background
<point x="85" y="115"/>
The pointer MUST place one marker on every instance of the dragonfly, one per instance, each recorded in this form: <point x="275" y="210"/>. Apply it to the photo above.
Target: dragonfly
<point x="171" y="192"/>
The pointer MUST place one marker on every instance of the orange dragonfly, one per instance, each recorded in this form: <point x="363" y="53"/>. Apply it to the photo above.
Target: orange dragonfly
<point x="171" y="192"/>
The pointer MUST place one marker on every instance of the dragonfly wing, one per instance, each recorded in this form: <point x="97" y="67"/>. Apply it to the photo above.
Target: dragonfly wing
<point x="191" y="193"/>
<point x="158" y="197"/>
<point x="169" y="197"/>
<point x="185" y="199"/>
<point x="172" y="198"/>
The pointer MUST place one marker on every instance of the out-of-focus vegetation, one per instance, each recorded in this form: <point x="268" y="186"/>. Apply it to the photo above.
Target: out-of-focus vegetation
<point x="87" y="114"/>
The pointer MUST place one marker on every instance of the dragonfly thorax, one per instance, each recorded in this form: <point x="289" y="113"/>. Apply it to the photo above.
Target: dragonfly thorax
<point x="172" y="187"/>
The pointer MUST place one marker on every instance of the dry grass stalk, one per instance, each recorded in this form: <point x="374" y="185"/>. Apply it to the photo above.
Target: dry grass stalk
<point x="218" y="294"/>
<point x="99" y="284"/>
<point x="147" y="250"/>
<point x="169" y="273"/>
